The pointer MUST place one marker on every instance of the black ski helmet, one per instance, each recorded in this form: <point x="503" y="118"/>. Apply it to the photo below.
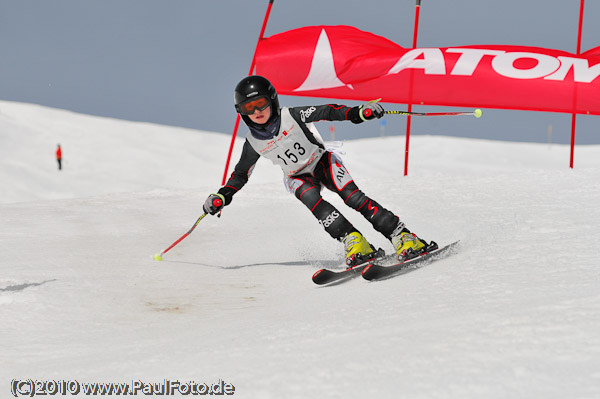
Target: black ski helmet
<point x="256" y="86"/>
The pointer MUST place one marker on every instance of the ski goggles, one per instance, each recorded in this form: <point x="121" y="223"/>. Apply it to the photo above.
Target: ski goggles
<point x="249" y="106"/>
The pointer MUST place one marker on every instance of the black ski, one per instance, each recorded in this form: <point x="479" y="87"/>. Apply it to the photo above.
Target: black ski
<point x="326" y="276"/>
<point x="376" y="270"/>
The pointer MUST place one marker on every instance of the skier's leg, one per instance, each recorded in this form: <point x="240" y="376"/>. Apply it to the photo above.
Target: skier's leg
<point x="338" y="179"/>
<point x="308" y="190"/>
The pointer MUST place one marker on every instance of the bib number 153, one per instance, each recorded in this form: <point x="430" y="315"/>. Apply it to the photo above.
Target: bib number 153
<point x="291" y="155"/>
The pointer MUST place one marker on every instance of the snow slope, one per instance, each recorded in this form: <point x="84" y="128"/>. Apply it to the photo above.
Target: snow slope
<point x="514" y="314"/>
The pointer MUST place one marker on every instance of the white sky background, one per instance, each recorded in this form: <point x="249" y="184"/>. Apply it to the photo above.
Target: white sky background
<point x="176" y="63"/>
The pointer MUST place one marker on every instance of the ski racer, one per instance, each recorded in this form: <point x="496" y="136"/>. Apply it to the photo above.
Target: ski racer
<point x="289" y="138"/>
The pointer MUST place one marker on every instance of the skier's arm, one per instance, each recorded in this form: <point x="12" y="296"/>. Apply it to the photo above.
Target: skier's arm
<point x="336" y="112"/>
<point x="241" y="173"/>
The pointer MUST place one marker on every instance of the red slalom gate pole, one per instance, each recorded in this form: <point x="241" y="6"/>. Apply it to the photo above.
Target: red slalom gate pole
<point x="235" y="129"/>
<point x="408" y="119"/>
<point x="237" y="121"/>
<point x="574" y="116"/>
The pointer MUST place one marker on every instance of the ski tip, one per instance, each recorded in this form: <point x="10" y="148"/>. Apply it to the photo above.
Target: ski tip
<point x="317" y="273"/>
<point x="322" y="277"/>
<point x="370" y="272"/>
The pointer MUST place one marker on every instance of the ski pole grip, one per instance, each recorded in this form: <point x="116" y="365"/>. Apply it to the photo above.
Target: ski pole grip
<point x="367" y="113"/>
<point x="217" y="202"/>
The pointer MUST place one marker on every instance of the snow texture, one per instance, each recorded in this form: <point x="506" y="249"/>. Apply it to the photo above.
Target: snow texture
<point x="514" y="314"/>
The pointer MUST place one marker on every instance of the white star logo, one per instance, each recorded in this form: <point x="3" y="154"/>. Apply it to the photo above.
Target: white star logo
<point x="322" y="73"/>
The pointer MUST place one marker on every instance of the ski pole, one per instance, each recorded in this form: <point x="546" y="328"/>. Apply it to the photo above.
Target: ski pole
<point x="476" y="113"/>
<point x="216" y="202"/>
<point x="159" y="256"/>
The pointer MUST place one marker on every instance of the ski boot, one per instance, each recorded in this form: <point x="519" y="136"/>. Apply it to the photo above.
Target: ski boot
<point x="407" y="244"/>
<point x="358" y="250"/>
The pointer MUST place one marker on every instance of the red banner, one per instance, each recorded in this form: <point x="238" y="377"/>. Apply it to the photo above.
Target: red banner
<point x="346" y="63"/>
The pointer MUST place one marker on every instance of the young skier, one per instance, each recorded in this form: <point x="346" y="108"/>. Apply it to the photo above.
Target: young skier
<point x="288" y="137"/>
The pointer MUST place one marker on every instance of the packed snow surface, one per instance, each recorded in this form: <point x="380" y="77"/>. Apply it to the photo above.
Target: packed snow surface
<point x="515" y="313"/>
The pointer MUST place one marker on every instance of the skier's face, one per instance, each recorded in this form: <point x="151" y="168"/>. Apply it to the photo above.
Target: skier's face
<point x="260" y="117"/>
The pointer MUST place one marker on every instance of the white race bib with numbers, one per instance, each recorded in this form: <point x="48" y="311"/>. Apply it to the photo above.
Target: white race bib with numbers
<point x="290" y="149"/>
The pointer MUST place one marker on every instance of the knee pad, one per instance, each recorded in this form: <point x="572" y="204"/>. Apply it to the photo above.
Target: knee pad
<point x="353" y="197"/>
<point x="309" y="195"/>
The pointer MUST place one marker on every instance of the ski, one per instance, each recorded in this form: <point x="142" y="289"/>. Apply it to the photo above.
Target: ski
<point x="378" y="271"/>
<point x="327" y="276"/>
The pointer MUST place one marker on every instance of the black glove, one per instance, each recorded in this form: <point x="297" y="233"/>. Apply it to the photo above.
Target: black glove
<point x="370" y="110"/>
<point x="213" y="204"/>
